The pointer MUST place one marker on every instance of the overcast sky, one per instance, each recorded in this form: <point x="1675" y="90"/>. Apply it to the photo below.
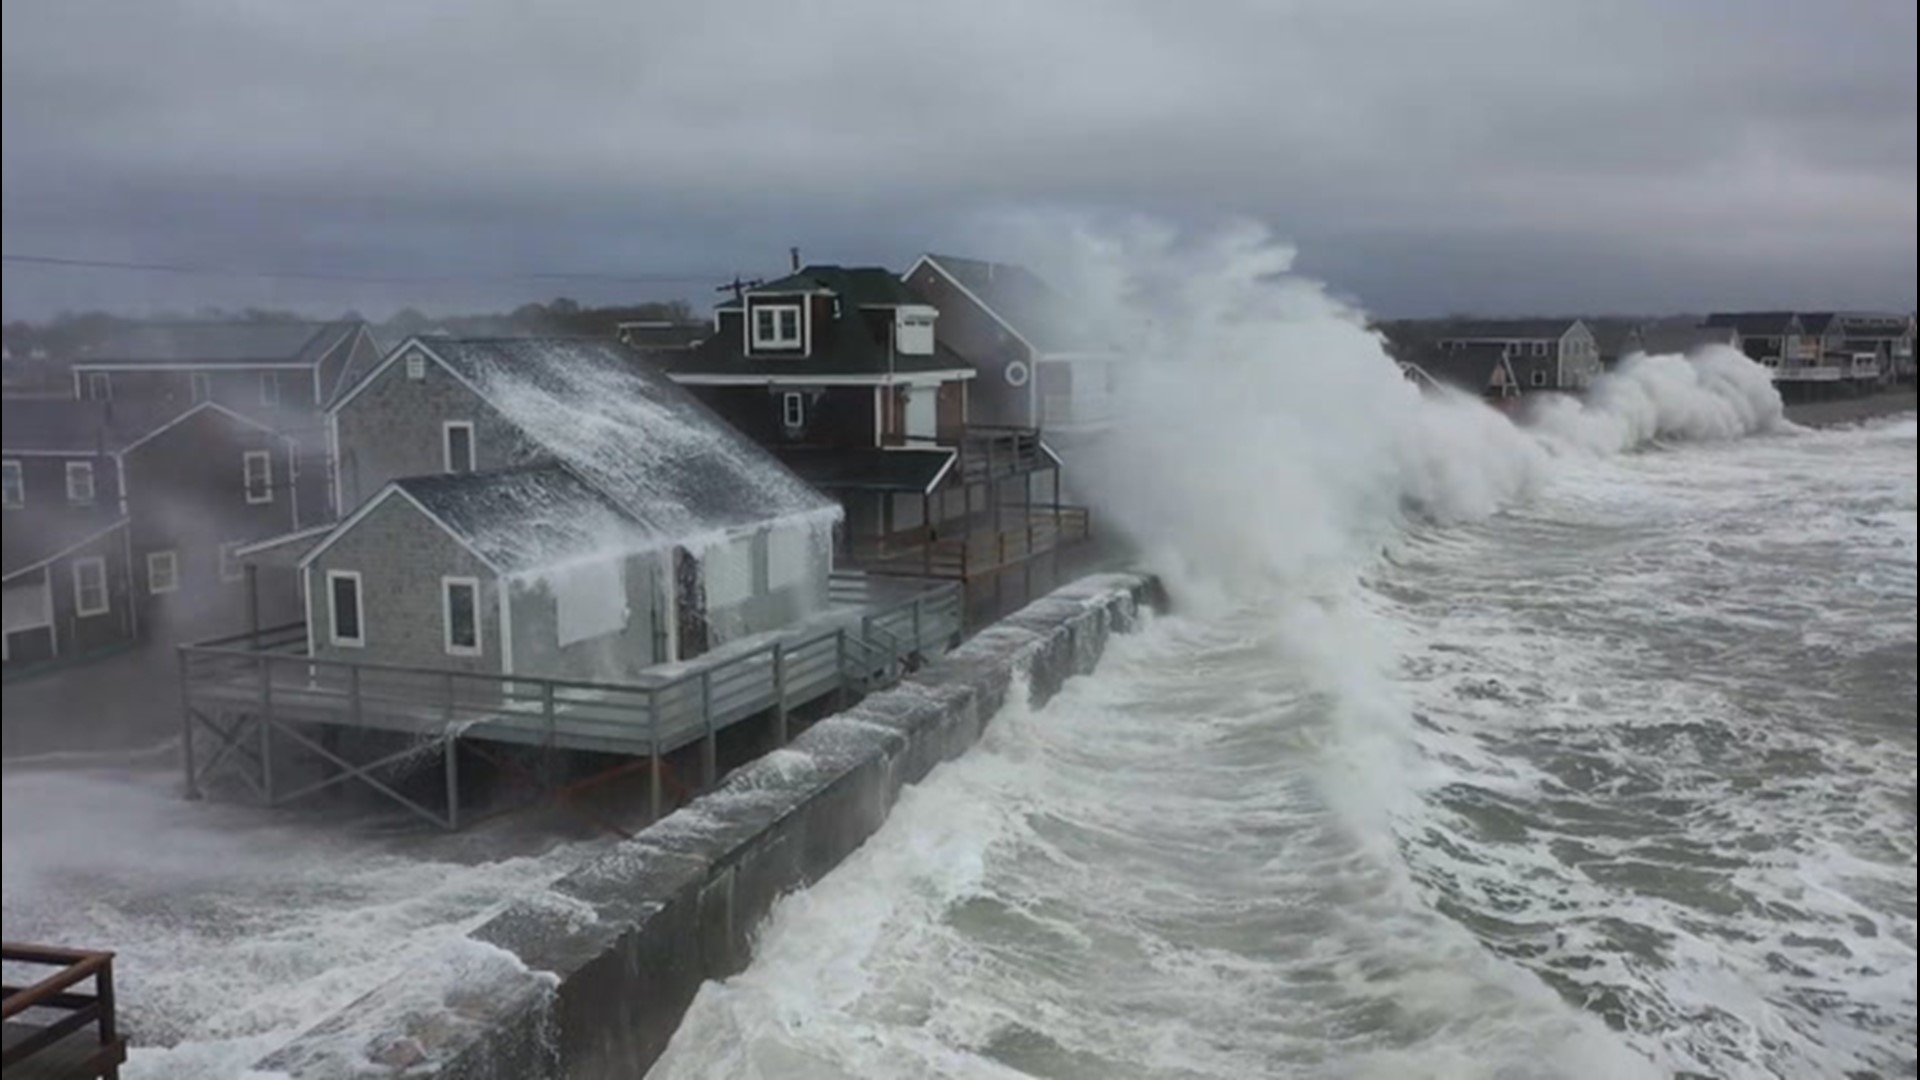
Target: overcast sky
<point x="1487" y="155"/>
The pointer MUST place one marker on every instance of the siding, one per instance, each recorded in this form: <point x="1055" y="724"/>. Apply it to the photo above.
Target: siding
<point x="401" y="555"/>
<point x="614" y="657"/>
<point x="392" y="429"/>
<point x="983" y="342"/>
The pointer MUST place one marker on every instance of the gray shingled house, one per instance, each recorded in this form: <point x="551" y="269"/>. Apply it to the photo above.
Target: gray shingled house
<point x="549" y="507"/>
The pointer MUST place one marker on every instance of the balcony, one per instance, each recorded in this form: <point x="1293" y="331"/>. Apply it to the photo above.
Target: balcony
<point x="1821" y="373"/>
<point x="984" y="545"/>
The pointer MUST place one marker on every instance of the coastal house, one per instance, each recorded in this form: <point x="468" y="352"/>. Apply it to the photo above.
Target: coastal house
<point x="282" y="374"/>
<point x="173" y="495"/>
<point x="549" y="506"/>
<point x="1774" y="339"/>
<point x="1485" y="370"/>
<point x="1559" y="354"/>
<point x="1039" y="367"/>
<point x="1682" y="339"/>
<point x="841" y="372"/>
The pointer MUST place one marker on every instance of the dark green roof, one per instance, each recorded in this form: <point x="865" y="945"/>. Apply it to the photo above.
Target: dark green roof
<point x="860" y="286"/>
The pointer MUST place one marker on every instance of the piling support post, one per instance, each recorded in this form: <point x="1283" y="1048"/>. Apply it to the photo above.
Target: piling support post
<point x="780" y="693"/>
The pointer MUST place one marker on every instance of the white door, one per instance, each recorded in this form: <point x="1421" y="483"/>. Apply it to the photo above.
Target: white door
<point x="923" y="412"/>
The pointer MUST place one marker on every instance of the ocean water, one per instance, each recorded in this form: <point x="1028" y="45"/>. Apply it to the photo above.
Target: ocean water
<point x="1616" y="781"/>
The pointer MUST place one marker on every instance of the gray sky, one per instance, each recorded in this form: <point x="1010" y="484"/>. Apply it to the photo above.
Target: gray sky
<point x="1488" y="155"/>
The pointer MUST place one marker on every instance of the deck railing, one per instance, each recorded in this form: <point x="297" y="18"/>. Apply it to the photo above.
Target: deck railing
<point x="1040" y="529"/>
<point x="266" y="678"/>
<point x="61" y="1045"/>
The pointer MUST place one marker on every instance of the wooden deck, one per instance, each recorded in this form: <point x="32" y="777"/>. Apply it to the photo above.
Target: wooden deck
<point x="243" y="696"/>
<point x="54" y="1031"/>
<point x="1023" y="532"/>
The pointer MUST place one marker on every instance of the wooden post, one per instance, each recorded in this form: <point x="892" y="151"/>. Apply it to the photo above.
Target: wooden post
<point x="186" y="724"/>
<point x="452" y="742"/>
<point x="654" y="778"/>
<point x="780" y="693"/>
<point x="553" y="738"/>
<point x="709" y="750"/>
<point x="253" y="606"/>
<point x="266" y="728"/>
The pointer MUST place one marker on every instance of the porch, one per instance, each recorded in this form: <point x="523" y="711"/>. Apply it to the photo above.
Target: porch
<point x="263" y="718"/>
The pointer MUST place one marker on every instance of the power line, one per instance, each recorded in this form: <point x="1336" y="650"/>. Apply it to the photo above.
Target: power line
<point x="380" y="279"/>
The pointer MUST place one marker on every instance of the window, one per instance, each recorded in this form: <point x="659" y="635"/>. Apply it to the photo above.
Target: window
<point x="1539" y="348"/>
<point x="793" y="410"/>
<point x="460" y="609"/>
<point x="13" y="486"/>
<point x="100" y="386"/>
<point x="163" y="572"/>
<point x="416" y="365"/>
<point x="90" y="587"/>
<point x="1539" y="378"/>
<point x="202" y="385"/>
<point x="776" y="326"/>
<point x="256" y="471"/>
<point x="343" y="605"/>
<point x="231" y="568"/>
<point x="80" y="483"/>
<point x="456" y="437"/>
<point x="270" y="388"/>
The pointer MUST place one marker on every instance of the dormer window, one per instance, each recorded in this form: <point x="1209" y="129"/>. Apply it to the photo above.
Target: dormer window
<point x="776" y="326"/>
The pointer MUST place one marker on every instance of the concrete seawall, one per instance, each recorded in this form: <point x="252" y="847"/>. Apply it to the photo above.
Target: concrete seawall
<point x="592" y="980"/>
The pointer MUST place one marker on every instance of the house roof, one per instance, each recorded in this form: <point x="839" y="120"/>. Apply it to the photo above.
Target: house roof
<point x="29" y="546"/>
<point x="1818" y="322"/>
<point x="1506" y="330"/>
<point x="1755" y="323"/>
<point x="906" y="469"/>
<point x="525" y="519"/>
<point x="238" y="344"/>
<point x="1023" y="302"/>
<point x="643" y="442"/>
<point x="1471" y="367"/>
<point x="1666" y="340"/>
<point x="662" y="335"/>
<point x="842" y="346"/>
<point x="69" y="426"/>
<point x="861" y="286"/>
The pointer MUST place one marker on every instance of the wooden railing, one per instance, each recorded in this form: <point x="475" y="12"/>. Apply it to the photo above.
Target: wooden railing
<point x="60" y="1046"/>
<point x="1042" y="528"/>
<point x="993" y="452"/>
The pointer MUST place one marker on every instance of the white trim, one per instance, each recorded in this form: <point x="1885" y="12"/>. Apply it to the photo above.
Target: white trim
<point x="82" y="468"/>
<point x="265" y="495"/>
<point x="415" y="342"/>
<point x="13" y="484"/>
<point x="393" y="488"/>
<point x="200" y="386"/>
<point x="272" y="379"/>
<point x="80" y="608"/>
<point x="359" y="640"/>
<point x="913" y="378"/>
<point x="189" y="414"/>
<point x="230" y="564"/>
<point x="135" y="365"/>
<point x="941" y="476"/>
<point x="447" y="428"/>
<point x="447" y="583"/>
<point x="256" y="547"/>
<point x="106" y="383"/>
<point x="793" y="409"/>
<point x="778" y="342"/>
<point x="64" y="552"/>
<point x="172" y="562"/>
<point x="506" y="625"/>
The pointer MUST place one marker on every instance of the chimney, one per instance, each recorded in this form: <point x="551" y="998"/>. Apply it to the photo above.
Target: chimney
<point x="793" y="254"/>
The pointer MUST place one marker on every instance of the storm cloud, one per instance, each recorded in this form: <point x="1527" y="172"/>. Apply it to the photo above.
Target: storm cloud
<point x="1489" y="155"/>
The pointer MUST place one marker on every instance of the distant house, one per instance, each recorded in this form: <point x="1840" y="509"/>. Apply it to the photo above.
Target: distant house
<point x="1039" y="366"/>
<point x="1681" y="339"/>
<point x="66" y="591"/>
<point x="1616" y="338"/>
<point x="549" y="507"/>
<point x="1484" y="370"/>
<point x="841" y="372"/>
<point x="1559" y="354"/>
<point x="1869" y="347"/>
<point x="1775" y="339"/>
<point x="281" y="373"/>
<point x="180" y="493"/>
<point x="658" y="335"/>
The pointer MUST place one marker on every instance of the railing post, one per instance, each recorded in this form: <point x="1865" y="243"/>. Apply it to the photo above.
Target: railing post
<point x="103" y="993"/>
<point x="186" y="722"/>
<point x="353" y="694"/>
<point x="840" y="667"/>
<point x="553" y="736"/>
<point x="452" y="742"/>
<point x="709" y="750"/>
<point x="780" y="693"/>
<point x="654" y="779"/>
<point x="266" y="727"/>
<point x="918" y="643"/>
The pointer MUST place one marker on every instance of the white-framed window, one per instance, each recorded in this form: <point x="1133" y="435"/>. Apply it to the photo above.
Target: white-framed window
<point x="90" y="587"/>
<point x="1539" y="378"/>
<point x="1539" y="348"/>
<point x="793" y="410"/>
<point x="99" y="386"/>
<point x="13" y="485"/>
<point x="460" y="615"/>
<point x="346" y="623"/>
<point x="270" y="389"/>
<point x="776" y="326"/>
<point x="163" y="572"/>
<point x="231" y="568"/>
<point x="256" y="474"/>
<point x="80" y="483"/>
<point x="456" y="446"/>
<point x="202" y="386"/>
<point x="416" y="365"/>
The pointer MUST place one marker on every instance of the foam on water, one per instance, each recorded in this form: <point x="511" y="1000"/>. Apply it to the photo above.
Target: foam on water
<point x="1480" y="749"/>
